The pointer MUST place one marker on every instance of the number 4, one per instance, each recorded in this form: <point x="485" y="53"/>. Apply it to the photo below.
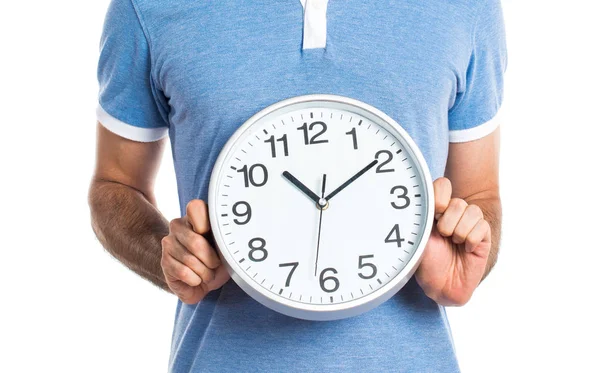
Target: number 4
<point x="395" y="232"/>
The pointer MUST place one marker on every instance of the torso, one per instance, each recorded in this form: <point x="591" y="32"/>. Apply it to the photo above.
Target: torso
<point x="218" y="63"/>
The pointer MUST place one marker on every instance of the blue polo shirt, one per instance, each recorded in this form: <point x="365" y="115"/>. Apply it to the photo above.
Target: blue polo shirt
<point x="196" y="70"/>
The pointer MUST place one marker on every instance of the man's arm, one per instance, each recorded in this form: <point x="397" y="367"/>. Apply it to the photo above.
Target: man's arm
<point x="473" y="169"/>
<point x="122" y="204"/>
<point x="463" y="245"/>
<point x="175" y="256"/>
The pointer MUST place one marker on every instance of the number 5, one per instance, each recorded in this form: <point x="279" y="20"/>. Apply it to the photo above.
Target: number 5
<point x="362" y="265"/>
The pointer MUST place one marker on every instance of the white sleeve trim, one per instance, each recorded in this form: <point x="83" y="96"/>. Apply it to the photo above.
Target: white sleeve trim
<point x="127" y="130"/>
<point x="478" y="132"/>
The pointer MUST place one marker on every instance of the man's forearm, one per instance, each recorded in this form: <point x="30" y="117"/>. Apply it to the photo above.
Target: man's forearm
<point x="492" y="212"/>
<point x="129" y="227"/>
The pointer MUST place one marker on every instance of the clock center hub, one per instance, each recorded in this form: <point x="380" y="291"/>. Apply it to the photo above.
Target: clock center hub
<point x="323" y="204"/>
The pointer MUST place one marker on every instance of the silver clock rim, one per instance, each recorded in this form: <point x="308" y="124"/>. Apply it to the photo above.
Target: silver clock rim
<point x="325" y="311"/>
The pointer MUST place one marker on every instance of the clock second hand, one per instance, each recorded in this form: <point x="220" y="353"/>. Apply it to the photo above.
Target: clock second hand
<point x="321" y="206"/>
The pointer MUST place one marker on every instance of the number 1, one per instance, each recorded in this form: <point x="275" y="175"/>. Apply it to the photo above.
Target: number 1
<point x="352" y="132"/>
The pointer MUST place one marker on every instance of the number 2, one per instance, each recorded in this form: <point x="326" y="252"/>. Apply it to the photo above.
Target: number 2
<point x="380" y="168"/>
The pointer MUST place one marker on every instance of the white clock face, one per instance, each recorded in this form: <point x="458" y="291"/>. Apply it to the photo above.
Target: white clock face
<point x="319" y="207"/>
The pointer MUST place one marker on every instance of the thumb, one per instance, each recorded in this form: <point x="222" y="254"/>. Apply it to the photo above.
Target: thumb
<point x="197" y="215"/>
<point x="442" y="191"/>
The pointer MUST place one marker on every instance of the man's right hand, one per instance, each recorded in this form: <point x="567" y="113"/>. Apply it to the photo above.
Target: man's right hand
<point x="190" y="264"/>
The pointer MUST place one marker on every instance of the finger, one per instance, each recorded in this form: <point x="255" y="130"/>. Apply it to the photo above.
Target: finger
<point x="467" y="222"/>
<point x="196" y="244"/>
<point x="197" y="214"/>
<point x="221" y="277"/>
<point x="187" y="294"/>
<point x="184" y="256"/>
<point x="481" y="233"/>
<point x="449" y="220"/>
<point x="442" y="190"/>
<point x="178" y="271"/>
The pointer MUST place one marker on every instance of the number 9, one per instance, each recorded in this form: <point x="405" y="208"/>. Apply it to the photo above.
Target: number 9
<point x="247" y="212"/>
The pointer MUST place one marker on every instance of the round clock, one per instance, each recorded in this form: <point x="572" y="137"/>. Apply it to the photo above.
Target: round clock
<point x="321" y="207"/>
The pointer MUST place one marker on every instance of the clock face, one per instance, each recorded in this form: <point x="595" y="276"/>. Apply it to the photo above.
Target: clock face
<point x="320" y="206"/>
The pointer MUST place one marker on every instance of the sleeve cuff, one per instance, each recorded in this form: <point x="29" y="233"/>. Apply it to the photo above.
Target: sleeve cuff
<point x="477" y="132"/>
<point x="128" y="131"/>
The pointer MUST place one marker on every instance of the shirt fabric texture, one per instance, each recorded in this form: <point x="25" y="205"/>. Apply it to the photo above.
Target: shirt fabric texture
<point x="196" y="70"/>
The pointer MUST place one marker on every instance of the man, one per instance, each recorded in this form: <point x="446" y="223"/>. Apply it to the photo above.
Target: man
<point x="197" y="70"/>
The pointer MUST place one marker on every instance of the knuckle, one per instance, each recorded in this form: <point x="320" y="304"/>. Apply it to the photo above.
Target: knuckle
<point x="163" y="264"/>
<point x="196" y="243"/>
<point x="189" y="260"/>
<point x="203" y="251"/>
<point x="471" y="240"/>
<point x="439" y="204"/>
<point x="213" y="261"/>
<point x="444" y="229"/>
<point x="460" y="234"/>
<point x="182" y="273"/>
<point x="164" y="242"/>
<point x="207" y="274"/>
<point x="458" y="237"/>
<point x="486" y="225"/>
<point x="195" y="281"/>
<point x="173" y="224"/>
<point x="458" y="203"/>
<point x="474" y="210"/>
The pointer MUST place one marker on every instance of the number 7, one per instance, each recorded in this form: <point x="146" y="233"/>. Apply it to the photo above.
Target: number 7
<point x="294" y="265"/>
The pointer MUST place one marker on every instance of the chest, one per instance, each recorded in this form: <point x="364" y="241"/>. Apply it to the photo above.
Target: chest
<point x="225" y="61"/>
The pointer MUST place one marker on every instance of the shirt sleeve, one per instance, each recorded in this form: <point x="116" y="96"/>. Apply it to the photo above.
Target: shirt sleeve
<point x="129" y="103"/>
<point x="475" y="110"/>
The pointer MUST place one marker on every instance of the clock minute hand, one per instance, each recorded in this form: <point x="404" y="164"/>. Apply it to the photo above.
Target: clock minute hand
<point x="309" y="193"/>
<point x="351" y="180"/>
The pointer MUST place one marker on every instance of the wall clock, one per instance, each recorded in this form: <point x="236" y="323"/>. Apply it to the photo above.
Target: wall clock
<point x="321" y="207"/>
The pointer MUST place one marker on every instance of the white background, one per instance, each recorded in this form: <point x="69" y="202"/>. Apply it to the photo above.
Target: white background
<point x="66" y="305"/>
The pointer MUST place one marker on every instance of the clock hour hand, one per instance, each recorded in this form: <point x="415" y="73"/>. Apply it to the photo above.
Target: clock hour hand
<point x="309" y="193"/>
<point x="351" y="180"/>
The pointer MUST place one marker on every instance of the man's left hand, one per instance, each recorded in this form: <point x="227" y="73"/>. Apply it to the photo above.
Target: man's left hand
<point x="456" y="254"/>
